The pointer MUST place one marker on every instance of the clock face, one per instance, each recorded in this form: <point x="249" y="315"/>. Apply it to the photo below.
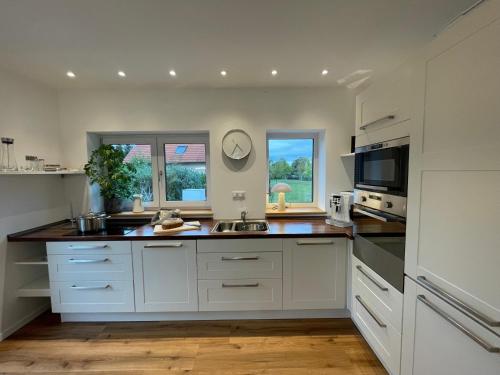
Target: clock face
<point x="236" y="144"/>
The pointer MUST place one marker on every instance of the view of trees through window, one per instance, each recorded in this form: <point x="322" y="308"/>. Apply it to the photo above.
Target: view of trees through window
<point x="139" y="156"/>
<point x="185" y="172"/>
<point x="291" y="161"/>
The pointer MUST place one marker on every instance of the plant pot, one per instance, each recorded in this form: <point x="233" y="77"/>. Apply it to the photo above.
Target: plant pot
<point x="112" y="205"/>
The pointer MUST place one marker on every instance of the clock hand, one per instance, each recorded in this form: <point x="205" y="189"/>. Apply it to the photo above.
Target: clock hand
<point x="234" y="149"/>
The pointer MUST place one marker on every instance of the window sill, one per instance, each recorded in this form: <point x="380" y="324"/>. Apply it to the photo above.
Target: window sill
<point x="148" y="214"/>
<point x="296" y="212"/>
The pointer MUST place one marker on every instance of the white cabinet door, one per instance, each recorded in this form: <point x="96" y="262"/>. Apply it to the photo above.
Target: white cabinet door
<point x="165" y="276"/>
<point x="314" y="273"/>
<point x="437" y="345"/>
<point x="383" y="109"/>
<point x="454" y="185"/>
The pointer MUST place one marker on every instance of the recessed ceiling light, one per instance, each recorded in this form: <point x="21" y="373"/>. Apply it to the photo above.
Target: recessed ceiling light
<point x="274" y="72"/>
<point x="121" y="73"/>
<point x="172" y="73"/>
<point x="70" y="74"/>
<point x="223" y="73"/>
<point x="324" y="72"/>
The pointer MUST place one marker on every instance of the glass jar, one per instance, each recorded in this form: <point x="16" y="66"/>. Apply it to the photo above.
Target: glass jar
<point x="8" y="159"/>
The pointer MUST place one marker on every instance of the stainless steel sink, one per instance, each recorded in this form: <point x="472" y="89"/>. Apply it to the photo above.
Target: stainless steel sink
<point x="232" y="226"/>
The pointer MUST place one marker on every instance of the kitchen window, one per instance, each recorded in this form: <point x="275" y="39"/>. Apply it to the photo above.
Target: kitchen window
<point x="293" y="159"/>
<point x="171" y="170"/>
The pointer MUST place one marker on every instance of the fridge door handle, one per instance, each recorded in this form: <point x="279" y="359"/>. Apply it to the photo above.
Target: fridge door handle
<point x="486" y="345"/>
<point x="454" y="301"/>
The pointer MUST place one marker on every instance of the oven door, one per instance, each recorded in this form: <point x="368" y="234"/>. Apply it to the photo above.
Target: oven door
<point x="383" y="167"/>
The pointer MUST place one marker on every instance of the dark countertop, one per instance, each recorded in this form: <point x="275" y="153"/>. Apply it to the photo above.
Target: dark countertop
<point x="311" y="227"/>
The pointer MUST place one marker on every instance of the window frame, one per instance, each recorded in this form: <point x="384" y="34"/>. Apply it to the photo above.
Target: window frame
<point x="278" y="135"/>
<point x="183" y="139"/>
<point x="156" y="142"/>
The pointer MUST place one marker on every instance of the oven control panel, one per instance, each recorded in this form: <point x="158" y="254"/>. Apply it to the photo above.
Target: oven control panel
<point x="391" y="204"/>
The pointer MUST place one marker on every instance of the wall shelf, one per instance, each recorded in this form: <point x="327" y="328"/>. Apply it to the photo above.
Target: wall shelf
<point x="37" y="288"/>
<point x="347" y="155"/>
<point x="41" y="173"/>
<point x="41" y="260"/>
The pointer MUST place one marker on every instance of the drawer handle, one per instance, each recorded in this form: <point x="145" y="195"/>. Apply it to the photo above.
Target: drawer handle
<point x="88" y="247"/>
<point x="239" y="258"/>
<point x="388" y="117"/>
<point x="75" y="287"/>
<point x="455" y="302"/>
<point x="71" y="260"/>
<point x="490" y="348"/>
<point x="159" y="246"/>
<point x="369" y="277"/>
<point x="240" y="285"/>
<point x="372" y="314"/>
<point x="304" y="242"/>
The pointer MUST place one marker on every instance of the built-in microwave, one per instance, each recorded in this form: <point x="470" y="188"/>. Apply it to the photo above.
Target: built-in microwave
<point x="383" y="167"/>
<point x="381" y="179"/>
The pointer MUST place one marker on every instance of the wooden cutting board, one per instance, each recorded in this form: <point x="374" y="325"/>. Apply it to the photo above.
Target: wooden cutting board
<point x="159" y="229"/>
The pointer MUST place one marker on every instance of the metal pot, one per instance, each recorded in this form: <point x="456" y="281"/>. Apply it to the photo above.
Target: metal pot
<point x="91" y="222"/>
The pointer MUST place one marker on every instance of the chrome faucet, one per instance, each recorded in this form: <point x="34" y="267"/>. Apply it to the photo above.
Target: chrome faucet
<point x="244" y="217"/>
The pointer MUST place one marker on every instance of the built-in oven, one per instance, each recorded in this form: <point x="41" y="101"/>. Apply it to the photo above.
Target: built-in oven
<point x="381" y="179"/>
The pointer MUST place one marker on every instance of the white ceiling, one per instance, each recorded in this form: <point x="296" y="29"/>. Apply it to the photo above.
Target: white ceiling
<point x="146" y="38"/>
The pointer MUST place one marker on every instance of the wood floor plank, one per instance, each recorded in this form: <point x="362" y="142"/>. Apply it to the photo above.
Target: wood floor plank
<point x="250" y="347"/>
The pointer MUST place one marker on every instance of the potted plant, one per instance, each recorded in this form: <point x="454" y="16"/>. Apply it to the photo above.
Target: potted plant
<point x="114" y="177"/>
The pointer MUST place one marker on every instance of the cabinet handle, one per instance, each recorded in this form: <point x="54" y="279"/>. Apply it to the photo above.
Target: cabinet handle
<point x="457" y="303"/>
<point x="90" y="287"/>
<point x="308" y="242"/>
<point x="71" y="260"/>
<point x="240" y="285"/>
<point x="88" y="247"/>
<point x="369" y="277"/>
<point x="490" y="348"/>
<point x="370" y="311"/>
<point x="159" y="246"/>
<point x="388" y="117"/>
<point x="239" y="258"/>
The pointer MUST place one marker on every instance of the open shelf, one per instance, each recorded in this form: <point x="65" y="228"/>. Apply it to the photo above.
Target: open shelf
<point x="41" y="260"/>
<point x="41" y="173"/>
<point x="347" y="155"/>
<point x="37" y="288"/>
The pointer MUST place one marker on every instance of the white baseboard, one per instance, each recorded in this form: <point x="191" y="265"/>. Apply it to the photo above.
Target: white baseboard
<point x="23" y="321"/>
<point x="219" y="315"/>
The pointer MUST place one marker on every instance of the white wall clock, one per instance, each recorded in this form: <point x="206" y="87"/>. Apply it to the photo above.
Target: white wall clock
<point x="236" y="144"/>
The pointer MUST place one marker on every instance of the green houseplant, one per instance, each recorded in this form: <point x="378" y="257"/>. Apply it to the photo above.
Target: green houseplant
<point x="114" y="177"/>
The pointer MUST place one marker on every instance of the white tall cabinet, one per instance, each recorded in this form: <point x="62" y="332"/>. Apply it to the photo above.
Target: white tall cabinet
<point x="453" y="236"/>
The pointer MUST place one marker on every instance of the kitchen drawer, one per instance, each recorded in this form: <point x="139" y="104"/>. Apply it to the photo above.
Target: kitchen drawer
<point x="92" y="296"/>
<point x="243" y="294"/>
<point x="388" y="304"/>
<point x="239" y="266"/>
<point x="89" y="247"/>
<point x="90" y="267"/>
<point x="240" y="245"/>
<point x="385" y="341"/>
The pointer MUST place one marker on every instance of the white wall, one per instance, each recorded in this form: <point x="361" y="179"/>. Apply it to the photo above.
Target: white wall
<point x="29" y="114"/>
<point x="216" y="110"/>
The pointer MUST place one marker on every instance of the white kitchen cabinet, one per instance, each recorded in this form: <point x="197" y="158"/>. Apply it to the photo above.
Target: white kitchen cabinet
<point x="92" y="296"/>
<point x="243" y="245"/>
<point x="382" y="110"/>
<point x="314" y="273"/>
<point x="240" y="294"/>
<point x="165" y="276"/>
<point x="437" y="345"/>
<point x="454" y="182"/>
<point x="218" y="266"/>
<point x="377" y="309"/>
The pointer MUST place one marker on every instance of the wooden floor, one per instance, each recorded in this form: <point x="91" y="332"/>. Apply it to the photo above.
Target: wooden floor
<point x="319" y="346"/>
